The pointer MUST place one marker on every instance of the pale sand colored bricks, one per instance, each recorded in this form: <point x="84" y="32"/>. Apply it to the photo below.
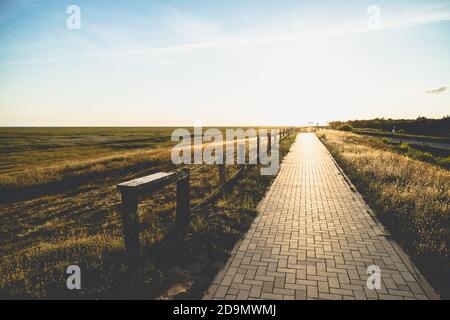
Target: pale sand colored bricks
<point x="314" y="238"/>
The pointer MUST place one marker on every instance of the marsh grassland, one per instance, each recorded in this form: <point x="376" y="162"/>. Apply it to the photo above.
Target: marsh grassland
<point x="59" y="206"/>
<point x="410" y="196"/>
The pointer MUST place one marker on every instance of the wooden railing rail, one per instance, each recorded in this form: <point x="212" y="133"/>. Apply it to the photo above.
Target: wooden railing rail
<point x="134" y="191"/>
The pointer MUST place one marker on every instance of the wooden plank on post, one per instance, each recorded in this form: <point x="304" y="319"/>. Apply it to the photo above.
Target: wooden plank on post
<point x="183" y="213"/>
<point x="147" y="184"/>
<point x="131" y="191"/>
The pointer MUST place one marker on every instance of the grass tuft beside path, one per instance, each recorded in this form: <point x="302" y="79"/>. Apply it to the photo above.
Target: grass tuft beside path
<point x="411" y="197"/>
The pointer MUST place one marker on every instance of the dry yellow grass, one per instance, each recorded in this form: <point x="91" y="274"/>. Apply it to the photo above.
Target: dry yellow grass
<point x="411" y="197"/>
<point x="44" y="233"/>
<point x="89" y="166"/>
<point x="57" y="172"/>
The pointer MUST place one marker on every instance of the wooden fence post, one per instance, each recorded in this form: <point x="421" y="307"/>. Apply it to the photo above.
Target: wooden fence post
<point x="246" y="147"/>
<point x="183" y="212"/>
<point x="130" y="220"/>
<point x="269" y="141"/>
<point x="222" y="173"/>
<point x="258" y="146"/>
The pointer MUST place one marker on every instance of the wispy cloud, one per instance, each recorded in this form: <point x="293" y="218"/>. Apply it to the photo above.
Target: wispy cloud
<point x="414" y="16"/>
<point x="437" y="90"/>
<point x="193" y="33"/>
<point x="174" y="32"/>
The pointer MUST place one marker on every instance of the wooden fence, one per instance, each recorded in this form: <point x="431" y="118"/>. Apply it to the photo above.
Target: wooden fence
<point x="134" y="191"/>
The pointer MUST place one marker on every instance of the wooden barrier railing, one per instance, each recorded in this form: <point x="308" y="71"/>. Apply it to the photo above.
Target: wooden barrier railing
<point x="136" y="190"/>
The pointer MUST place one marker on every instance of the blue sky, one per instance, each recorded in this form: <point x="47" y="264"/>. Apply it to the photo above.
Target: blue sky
<point x="221" y="62"/>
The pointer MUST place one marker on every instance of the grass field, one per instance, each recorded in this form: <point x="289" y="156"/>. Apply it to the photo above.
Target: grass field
<point x="426" y="153"/>
<point x="63" y="208"/>
<point x="421" y="127"/>
<point x="383" y="133"/>
<point x="411" y="197"/>
<point x="25" y="147"/>
<point x="39" y="161"/>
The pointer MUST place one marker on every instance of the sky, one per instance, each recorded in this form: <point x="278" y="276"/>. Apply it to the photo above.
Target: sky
<point x="218" y="63"/>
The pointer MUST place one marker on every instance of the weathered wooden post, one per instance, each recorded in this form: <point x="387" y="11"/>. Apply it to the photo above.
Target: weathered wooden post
<point x="183" y="212"/>
<point x="130" y="221"/>
<point x="222" y="174"/>
<point x="258" y="146"/>
<point x="269" y="141"/>
<point x="246" y="147"/>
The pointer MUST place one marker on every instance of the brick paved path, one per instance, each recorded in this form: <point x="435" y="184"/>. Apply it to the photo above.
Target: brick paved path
<point x="314" y="238"/>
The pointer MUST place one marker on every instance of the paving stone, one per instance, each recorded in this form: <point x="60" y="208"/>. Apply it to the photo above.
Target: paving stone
<point x="314" y="238"/>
